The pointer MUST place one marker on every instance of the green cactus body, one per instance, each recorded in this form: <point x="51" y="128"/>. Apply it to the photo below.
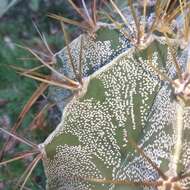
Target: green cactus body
<point x="124" y="99"/>
<point x="123" y="86"/>
<point x="97" y="51"/>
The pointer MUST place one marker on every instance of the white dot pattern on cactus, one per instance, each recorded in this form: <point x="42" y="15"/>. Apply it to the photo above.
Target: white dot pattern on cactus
<point x="91" y="141"/>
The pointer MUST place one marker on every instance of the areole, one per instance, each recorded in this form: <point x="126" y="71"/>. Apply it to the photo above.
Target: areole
<point x="170" y="184"/>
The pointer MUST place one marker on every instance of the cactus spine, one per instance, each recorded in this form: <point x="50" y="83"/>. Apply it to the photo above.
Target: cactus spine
<point x="126" y="125"/>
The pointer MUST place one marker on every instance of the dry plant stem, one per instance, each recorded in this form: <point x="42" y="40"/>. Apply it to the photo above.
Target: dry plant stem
<point x="34" y="69"/>
<point x="144" y="16"/>
<point x="28" y="172"/>
<point x="160" y="13"/>
<point x="26" y="59"/>
<point x="24" y="174"/>
<point x="172" y="7"/>
<point x="188" y="60"/>
<point x="166" y="7"/>
<point x="163" y="7"/>
<point x="24" y="155"/>
<point x="173" y="14"/>
<point x="178" y="70"/>
<point x="41" y="53"/>
<point x="45" y="78"/>
<point x="163" y="76"/>
<point x="23" y="70"/>
<point x="179" y="135"/>
<point x="80" y="61"/>
<point x="127" y="182"/>
<point x="187" y="27"/>
<point x="21" y="139"/>
<point x="90" y="21"/>
<point x="51" y="82"/>
<point x="39" y="91"/>
<point x="184" y="17"/>
<point x="94" y="12"/>
<point x="141" y="152"/>
<point x="68" y="49"/>
<point x="26" y="188"/>
<point x="157" y="71"/>
<point x="119" y="27"/>
<point x="109" y="7"/>
<point x="38" y="158"/>
<point x="59" y="75"/>
<point x="137" y="23"/>
<point x="68" y="21"/>
<point x="77" y="9"/>
<point x="38" y="116"/>
<point x="42" y="36"/>
<point x="119" y="12"/>
<point x="152" y="27"/>
<point x="183" y="176"/>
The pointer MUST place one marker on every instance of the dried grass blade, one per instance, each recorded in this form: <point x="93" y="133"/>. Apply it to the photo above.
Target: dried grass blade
<point x="39" y="117"/>
<point x="67" y="20"/>
<point x="182" y="11"/>
<point x="178" y="70"/>
<point x="117" y="24"/>
<point x="43" y="38"/>
<point x="28" y="172"/>
<point x="137" y="23"/>
<point x="77" y="9"/>
<point x="157" y="13"/>
<point x="172" y="6"/>
<point x="183" y="176"/>
<point x="59" y="75"/>
<point x="142" y="153"/>
<point x="52" y="82"/>
<point x="107" y="5"/>
<point x="24" y="155"/>
<point x="90" y="21"/>
<point x="69" y="50"/>
<point x="125" y="182"/>
<point x="94" y="12"/>
<point x="157" y="71"/>
<point x="39" y="91"/>
<point x="31" y="71"/>
<point x="177" y="11"/>
<point x="81" y="61"/>
<point x="144" y="16"/>
<point x="119" y="12"/>
<point x="34" y="69"/>
<point x="166" y="7"/>
<point x="21" y="139"/>
<point x="38" y="158"/>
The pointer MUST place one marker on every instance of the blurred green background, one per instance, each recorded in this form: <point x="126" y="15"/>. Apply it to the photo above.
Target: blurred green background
<point x="16" y="27"/>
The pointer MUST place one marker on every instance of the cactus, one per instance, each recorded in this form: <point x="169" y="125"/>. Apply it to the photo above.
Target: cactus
<point x="126" y="124"/>
<point x="97" y="123"/>
<point x="96" y="52"/>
